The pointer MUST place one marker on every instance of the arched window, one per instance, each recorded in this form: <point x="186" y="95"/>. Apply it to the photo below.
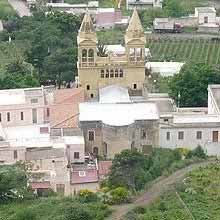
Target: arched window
<point x="91" y="95"/>
<point x="116" y="73"/>
<point x="84" y="55"/>
<point x="132" y="54"/>
<point x="91" y="55"/>
<point x="88" y="87"/>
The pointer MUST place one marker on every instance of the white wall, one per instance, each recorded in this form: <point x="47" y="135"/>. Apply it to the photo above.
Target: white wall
<point x="190" y="141"/>
<point x="211" y="17"/>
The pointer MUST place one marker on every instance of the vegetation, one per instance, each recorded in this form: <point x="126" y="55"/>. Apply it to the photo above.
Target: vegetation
<point x="6" y="11"/>
<point x="54" y="208"/>
<point x="192" y="83"/>
<point x="17" y="201"/>
<point x="196" y="197"/>
<point x="197" y="50"/>
<point x="48" y="48"/>
<point x="13" y="183"/>
<point x="133" y="170"/>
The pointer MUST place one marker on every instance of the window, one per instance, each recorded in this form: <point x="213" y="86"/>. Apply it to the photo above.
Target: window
<point x="198" y="135"/>
<point x="135" y="86"/>
<point x="215" y="136"/>
<point x="76" y="155"/>
<point x="22" y="116"/>
<point x="116" y="73"/>
<point x="88" y="87"/>
<point x="0" y="117"/>
<point x="180" y="135"/>
<point x="143" y="134"/>
<point x="168" y="136"/>
<point x="8" y="116"/>
<point x="91" y="95"/>
<point x="91" y="55"/>
<point x="166" y="120"/>
<point x="34" y="115"/>
<point x="15" y="154"/>
<point x="111" y="73"/>
<point x="48" y="112"/>
<point x="44" y="130"/>
<point x="102" y="73"/>
<point x="206" y="19"/>
<point x="84" y="55"/>
<point x="34" y="101"/>
<point x="95" y="151"/>
<point x="121" y="73"/>
<point x="107" y="74"/>
<point x="91" y="135"/>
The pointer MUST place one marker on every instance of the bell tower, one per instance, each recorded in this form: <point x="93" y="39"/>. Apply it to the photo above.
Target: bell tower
<point x="135" y="40"/>
<point x="87" y="43"/>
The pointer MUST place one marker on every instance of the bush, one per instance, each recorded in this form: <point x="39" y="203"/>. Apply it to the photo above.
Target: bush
<point x="86" y="195"/>
<point x="26" y="214"/>
<point x="197" y="152"/>
<point x="119" y="195"/>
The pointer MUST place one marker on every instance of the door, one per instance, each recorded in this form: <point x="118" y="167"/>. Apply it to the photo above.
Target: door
<point x="34" y="115"/>
<point x="206" y="19"/>
<point x="215" y="136"/>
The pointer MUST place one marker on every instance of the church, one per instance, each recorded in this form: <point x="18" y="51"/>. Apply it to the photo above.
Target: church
<point x="126" y="70"/>
<point x="121" y="114"/>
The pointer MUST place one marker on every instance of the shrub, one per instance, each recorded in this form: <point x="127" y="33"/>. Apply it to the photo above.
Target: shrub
<point x="119" y="195"/>
<point x="86" y="195"/>
<point x="197" y="152"/>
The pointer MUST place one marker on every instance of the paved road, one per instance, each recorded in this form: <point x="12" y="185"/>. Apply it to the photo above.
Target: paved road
<point x="20" y="7"/>
<point x="160" y="186"/>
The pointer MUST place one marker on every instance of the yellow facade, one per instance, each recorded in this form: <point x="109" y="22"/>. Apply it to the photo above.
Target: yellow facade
<point x="97" y="72"/>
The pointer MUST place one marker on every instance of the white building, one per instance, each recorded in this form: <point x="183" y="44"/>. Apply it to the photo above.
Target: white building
<point x="165" y="69"/>
<point x="143" y="4"/>
<point x="207" y="21"/>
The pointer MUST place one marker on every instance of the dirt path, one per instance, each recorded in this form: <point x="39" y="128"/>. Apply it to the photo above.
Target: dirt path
<point x="160" y="185"/>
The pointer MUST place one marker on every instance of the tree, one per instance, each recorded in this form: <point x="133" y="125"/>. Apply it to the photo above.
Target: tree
<point x="173" y="8"/>
<point x="192" y="82"/>
<point x="18" y="74"/>
<point x="60" y="66"/>
<point x="13" y="182"/>
<point x="127" y="169"/>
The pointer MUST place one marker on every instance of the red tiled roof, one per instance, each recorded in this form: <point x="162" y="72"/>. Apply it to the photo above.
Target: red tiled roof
<point x="104" y="167"/>
<point x="103" y="18"/>
<point x="40" y="185"/>
<point x="64" y="112"/>
<point x="90" y="176"/>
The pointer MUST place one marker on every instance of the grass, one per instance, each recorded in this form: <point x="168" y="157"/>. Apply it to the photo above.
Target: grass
<point x="6" y="11"/>
<point x="189" y="5"/>
<point x="196" y="197"/>
<point x="53" y="208"/>
<point x="184" y="50"/>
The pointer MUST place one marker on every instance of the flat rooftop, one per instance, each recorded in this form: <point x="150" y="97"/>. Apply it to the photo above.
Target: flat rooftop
<point x="195" y="118"/>
<point x="118" y="114"/>
<point x="206" y="9"/>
